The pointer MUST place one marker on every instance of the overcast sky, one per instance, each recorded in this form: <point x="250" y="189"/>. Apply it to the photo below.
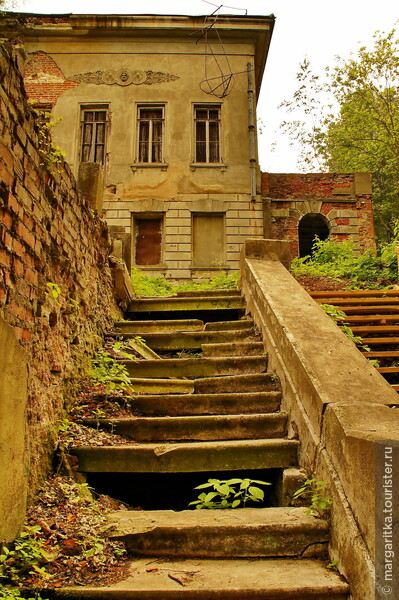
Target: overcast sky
<point x="316" y="29"/>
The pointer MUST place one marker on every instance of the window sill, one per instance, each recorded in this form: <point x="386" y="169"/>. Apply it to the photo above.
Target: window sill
<point x="151" y="267"/>
<point x="162" y="166"/>
<point x="195" y="166"/>
<point x="212" y="268"/>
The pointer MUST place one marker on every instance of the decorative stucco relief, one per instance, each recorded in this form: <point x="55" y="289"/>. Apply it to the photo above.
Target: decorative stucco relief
<point x="123" y="77"/>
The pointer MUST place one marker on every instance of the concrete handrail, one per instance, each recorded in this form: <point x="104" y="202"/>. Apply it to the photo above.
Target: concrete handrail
<point x="337" y="402"/>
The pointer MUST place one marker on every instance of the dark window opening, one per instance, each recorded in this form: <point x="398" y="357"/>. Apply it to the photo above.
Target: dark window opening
<point x="207" y="135"/>
<point x="148" y="240"/>
<point x="310" y="227"/>
<point x="150" y="134"/>
<point x="94" y="126"/>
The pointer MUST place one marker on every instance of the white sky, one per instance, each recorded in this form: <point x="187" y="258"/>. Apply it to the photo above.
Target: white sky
<point x="317" y="29"/>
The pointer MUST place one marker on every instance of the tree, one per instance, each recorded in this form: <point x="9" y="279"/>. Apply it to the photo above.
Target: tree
<point x="351" y="121"/>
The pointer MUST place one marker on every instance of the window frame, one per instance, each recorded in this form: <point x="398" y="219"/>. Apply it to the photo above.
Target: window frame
<point x="208" y="107"/>
<point x="150" y="106"/>
<point x="148" y="216"/>
<point x="94" y="107"/>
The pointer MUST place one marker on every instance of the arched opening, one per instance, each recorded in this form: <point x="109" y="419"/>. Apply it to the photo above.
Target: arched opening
<point x="310" y="226"/>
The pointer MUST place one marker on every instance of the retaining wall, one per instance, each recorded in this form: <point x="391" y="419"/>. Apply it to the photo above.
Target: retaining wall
<point x="338" y="403"/>
<point x="56" y="294"/>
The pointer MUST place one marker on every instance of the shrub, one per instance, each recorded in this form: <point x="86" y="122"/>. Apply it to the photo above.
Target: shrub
<point x="145" y="285"/>
<point x="338" y="260"/>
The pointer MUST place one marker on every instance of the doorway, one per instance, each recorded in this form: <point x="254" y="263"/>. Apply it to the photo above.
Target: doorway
<point x="311" y="226"/>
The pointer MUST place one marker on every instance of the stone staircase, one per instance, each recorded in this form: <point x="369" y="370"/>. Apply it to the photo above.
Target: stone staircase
<point x="196" y="417"/>
<point x="373" y="315"/>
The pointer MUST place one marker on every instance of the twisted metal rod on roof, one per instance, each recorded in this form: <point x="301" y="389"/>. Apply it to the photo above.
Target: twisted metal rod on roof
<point x="221" y="85"/>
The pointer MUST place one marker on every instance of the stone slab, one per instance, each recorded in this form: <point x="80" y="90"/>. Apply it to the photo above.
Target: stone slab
<point x="188" y="457"/>
<point x="166" y="326"/>
<point x="207" y="404"/>
<point x="215" y="427"/>
<point x="186" y="340"/>
<point x="242" y="532"/>
<point x="264" y="579"/>
<point x="186" y="304"/>
<point x="233" y="349"/>
<point x="195" y="367"/>
<point x="262" y="382"/>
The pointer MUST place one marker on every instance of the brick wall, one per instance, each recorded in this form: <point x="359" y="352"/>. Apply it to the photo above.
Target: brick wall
<point x="345" y="200"/>
<point x="48" y="235"/>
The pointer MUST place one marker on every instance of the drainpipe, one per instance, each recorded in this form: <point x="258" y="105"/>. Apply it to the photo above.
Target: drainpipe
<point x="251" y="129"/>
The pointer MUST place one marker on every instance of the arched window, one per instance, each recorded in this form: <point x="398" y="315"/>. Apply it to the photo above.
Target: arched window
<point x="310" y="226"/>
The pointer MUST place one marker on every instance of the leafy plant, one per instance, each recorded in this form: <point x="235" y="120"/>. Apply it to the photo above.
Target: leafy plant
<point x="14" y="593"/>
<point x="229" y="493"/>
<point x="50" y="154"/>
<point x="338" y="316"/>
<point x="145" y="285"/>
<point x="333" y="565"/>
<point x="26" y="555"/>
<point x="54" y="290"/>
<point x="109" y="372"/>
<point x="313" y="490"/>
<point x="339" y="260"/>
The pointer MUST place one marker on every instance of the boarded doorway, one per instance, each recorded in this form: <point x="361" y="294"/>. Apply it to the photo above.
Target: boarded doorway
<point x="208" y="240"/>
<point x="310" y="226"/>
<point x="148" y="240"/>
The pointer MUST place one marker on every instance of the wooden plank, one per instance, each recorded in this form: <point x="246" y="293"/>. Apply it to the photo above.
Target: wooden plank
<point x="388" y="369"/>
<point x="382" y="354"/>
<point x="354" y="293"/>
<point x="376" y="329"/>
<point x="359" y="301"/>
<point x="382" y="341"/>
<point x="360" y="310"/>
<point x="372" y="319"/>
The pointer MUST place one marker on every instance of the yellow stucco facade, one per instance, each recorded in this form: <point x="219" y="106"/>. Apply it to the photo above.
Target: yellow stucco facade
<point x="166" y="104"/>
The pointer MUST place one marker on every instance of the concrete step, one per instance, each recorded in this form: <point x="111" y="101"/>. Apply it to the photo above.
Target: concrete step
<point x="174" y="303"/>
<point x="142" y="385"/>
<point x="262" y="382"/>
<point x="226" y="325"/>
<point x="207" y="293"/>
<point x="210" y="579"/>
<point x="189" y="340"/>
<point x="233" y="349"/>
<point x="142" y="327"/>
<point x="215" y="427"/>
<point x="187" y="457"/>
<point x="195" y="367"/>
<point x="243" y="532"/>
<point x="207" y="404"/>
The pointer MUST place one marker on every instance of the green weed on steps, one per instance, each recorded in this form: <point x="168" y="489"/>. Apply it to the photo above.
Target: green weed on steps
<point x="145" y="285"/>
<point x="229" y="493"/>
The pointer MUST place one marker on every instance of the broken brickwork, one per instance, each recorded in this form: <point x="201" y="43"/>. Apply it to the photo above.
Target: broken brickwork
<point x="55" y="280"/>
<point x="344" y="201"/>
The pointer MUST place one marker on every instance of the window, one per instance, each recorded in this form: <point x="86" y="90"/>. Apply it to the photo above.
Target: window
<point x="208" y="240"/>
<point x="207" y="134"/>
<point x="148" y="239"/>
<point x="94" y="126"/>
<point x="150" y="134"/>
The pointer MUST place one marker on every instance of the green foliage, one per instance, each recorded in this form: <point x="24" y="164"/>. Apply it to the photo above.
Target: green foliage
<point x="145" y="285"/>
<point x="50" y="154"/>
<point x="109" y="372"/>
<point x="314" y="490"/>
<point x="26" y="555"/>
<point x="14" y="593"/>
<point x="229" y="493"/>
<point x="350" y="121"/>
<point x="338" y="260"/>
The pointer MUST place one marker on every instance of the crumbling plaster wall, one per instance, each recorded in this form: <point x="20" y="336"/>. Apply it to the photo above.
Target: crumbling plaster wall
<point x="48" y="235"/>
